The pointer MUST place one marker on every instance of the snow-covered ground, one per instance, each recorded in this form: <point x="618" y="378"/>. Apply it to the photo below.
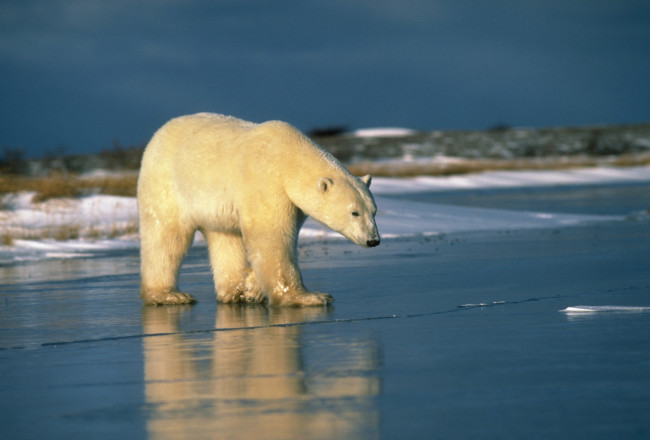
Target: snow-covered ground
<point x="100" y="223"/>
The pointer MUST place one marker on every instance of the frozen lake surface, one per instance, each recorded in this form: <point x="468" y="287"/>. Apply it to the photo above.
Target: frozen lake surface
<point x="529" y="319"/>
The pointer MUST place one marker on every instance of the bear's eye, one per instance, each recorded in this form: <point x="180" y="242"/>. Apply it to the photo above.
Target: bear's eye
<point x="355" y="214"/>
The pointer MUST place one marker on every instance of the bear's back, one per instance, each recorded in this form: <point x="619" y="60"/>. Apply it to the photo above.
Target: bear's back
<point x="217" y="122"/>
<point x="205" y="128"/>
<point x="214" y="146"/>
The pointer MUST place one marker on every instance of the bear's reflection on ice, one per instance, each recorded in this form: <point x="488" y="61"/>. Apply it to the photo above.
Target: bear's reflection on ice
<point x="258" y="378"/>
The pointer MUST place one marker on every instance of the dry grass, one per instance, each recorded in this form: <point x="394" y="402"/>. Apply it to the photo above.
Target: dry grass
<point x="6" y="239"/>
<point x="63" y="232"/>
<point x="469" y="166"/>
<point x="72" y="186"/>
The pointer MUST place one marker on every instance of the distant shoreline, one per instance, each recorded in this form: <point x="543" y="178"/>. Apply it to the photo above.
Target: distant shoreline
<point x="410" y="153"/>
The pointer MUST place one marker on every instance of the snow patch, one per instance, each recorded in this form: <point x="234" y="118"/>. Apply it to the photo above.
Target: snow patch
<point x="383" y="132"/>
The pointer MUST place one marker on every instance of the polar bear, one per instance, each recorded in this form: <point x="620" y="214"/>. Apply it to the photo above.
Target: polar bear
<point x="248" y="188"/>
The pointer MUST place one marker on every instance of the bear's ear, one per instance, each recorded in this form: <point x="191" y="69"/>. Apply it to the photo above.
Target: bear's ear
<point x="324" y="184"/>
<point x="367" y="179"/>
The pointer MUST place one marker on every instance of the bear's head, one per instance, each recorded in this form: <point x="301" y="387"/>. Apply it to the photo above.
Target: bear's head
<point x="344" y="203"/>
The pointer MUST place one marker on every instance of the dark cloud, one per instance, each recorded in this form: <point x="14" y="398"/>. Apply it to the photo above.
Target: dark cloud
<point x="85" y="72"/>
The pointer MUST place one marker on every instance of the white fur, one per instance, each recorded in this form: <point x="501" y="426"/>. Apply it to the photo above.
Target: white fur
<point x="248" y="188"/>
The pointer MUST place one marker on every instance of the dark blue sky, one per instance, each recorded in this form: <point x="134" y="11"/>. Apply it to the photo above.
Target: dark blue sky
<point x="82" y="73"/>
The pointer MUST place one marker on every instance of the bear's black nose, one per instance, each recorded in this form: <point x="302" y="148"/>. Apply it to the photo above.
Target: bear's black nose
<point x="372" y="243"/>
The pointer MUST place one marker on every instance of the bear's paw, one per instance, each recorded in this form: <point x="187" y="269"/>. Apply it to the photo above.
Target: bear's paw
<point x="168" y="298"/>
<point x="304" y="299"/>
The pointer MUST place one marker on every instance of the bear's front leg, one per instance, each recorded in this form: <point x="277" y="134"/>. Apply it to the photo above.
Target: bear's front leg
<point x="273" y="257"/>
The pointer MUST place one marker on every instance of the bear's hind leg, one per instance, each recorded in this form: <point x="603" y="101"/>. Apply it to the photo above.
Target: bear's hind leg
<point x="234" y="280"/>
<point x="162" y="250"/>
